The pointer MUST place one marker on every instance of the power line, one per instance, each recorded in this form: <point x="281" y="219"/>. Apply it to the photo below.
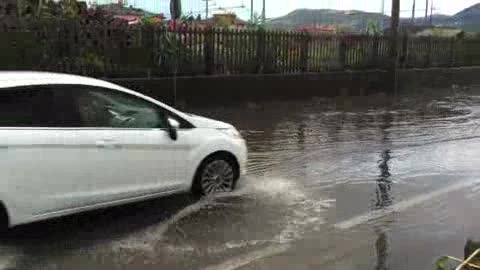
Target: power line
<point x="208" y="6"/>
<point x="213" y="6"/>
<point x="409" y="10"/>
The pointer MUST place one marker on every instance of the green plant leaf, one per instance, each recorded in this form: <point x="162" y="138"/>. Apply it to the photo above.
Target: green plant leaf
<point x="441" y="263"/>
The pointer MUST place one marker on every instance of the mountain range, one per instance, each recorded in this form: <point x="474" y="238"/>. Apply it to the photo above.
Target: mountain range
<point x="358" y="21"/>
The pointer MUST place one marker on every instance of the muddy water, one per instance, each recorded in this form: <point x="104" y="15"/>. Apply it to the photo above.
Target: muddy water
<point x="374" y="182"/>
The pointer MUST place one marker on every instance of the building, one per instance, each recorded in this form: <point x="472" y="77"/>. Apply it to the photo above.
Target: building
<point x="316" y="28"/>
<point x="93" y="3"/>
<point x="228" y="20"/>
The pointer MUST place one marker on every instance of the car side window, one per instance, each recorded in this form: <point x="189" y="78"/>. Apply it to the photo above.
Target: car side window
<point x="26" y="107"/>
<point x="106" y="108"/>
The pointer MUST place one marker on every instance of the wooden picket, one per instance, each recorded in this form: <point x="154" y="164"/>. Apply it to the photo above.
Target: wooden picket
<point x="111" y="50"/>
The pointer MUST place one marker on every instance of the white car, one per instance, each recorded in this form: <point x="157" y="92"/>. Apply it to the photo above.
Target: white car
<point x="69" y="144"/>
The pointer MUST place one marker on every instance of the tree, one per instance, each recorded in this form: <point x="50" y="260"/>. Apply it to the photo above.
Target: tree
<point x="344" y="29"/>
<point x="41" y="8"/>
<point x="50" y="10"/>
<point x="27" y="8"/>
<point x="70" y="8"/>
<point x="175" y="9"/>
<point x="256" y="21"/>
<point x="373" y="28"/>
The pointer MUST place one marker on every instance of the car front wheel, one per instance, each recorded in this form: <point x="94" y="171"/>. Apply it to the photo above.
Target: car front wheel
<point x="3" y="219"/>
<point x="216" y="175"/>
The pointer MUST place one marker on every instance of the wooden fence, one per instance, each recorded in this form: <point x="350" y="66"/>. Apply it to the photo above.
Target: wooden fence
<point x="106" y="50"/>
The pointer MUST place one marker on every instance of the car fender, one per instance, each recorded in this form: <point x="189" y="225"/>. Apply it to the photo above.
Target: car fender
<point x="16" y="213"/>
<point x="214" y="146"/>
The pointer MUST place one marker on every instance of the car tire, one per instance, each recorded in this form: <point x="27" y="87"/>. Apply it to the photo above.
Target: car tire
<point x="4" y="221"/>
<point x="216" y="174"/>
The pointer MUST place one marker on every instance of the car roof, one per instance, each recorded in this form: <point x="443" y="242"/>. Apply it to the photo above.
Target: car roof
<point x="26" y="78"/>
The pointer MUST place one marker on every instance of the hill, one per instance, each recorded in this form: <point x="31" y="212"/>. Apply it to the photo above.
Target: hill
<point x="358" y="21"/>
<point x="354" y="19"/>
<point x="438" y="20"/>
<point x="468" y="19"/>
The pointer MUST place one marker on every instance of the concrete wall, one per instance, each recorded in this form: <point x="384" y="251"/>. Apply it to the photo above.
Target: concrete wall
<point x="227" y="89"/>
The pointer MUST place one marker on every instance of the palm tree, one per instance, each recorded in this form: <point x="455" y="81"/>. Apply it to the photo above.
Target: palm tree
<point x="70" y="8"/>
<point x="175" y="9"/>
<point x="39" y="7"/>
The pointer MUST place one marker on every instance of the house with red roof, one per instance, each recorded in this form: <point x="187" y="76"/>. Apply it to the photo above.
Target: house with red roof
<point x="318" y="28"/>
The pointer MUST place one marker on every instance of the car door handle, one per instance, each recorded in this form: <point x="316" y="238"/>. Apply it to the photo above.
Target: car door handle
<point x="107" y="143"/>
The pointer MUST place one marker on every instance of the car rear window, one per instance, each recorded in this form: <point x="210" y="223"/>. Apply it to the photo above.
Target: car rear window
<point x="26" y="107"/>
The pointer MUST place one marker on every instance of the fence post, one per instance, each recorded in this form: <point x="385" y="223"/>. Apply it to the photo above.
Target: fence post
<point x="304" y="51"/>
<point x="260" y="50"/>
<point x="343" y="52"/>
<point x="404" y="55"/>
<point x="106" y="46"/>
<point x="452" y="52"/>
<point x="146" y="43"/>
<point x="429" y="52"/>
<point x="209" y="51"/>
<point x="374" y="52"/>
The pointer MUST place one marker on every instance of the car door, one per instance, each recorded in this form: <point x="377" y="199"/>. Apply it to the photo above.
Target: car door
<point x="64" y="147"/>
<point x="38" y="160"/>
<point x="128" y="152"/>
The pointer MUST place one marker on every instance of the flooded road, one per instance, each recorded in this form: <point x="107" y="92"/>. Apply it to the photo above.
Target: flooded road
<point x="374" y="182"/>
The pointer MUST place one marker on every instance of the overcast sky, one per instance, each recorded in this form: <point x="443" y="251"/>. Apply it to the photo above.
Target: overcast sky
<point x="277" y="8"/>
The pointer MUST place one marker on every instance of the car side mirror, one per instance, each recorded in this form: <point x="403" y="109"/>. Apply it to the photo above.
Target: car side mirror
<point x="173" y="126"/>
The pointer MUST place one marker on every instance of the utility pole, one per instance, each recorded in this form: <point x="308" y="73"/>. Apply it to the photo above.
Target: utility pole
<point x="413" y="12"/>
<point x="394" y="41"/>
<point x="264" y="13"/>
<point x="426" y="12"/>
<point x="431" y="14"/>
<point x="382" y="10"/>
<point x="395" y="19"/>
<point x="206" y="9"/>
<point x="251" y="11"/>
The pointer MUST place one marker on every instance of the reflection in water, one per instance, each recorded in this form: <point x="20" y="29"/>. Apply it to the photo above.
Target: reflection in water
<point x="383" y="195"/>
<point x="301" y="145"/>
<point x="384" y="184"/>
<point x="381" y="247"/>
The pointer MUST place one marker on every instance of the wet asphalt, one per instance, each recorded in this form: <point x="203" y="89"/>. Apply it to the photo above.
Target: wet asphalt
<point x="378" y="182"/>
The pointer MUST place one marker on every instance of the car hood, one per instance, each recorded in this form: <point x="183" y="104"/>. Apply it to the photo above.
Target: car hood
<point x="203" y="122"/>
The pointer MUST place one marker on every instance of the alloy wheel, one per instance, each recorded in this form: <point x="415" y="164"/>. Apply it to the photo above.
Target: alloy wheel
<point x="217" y="177"/>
